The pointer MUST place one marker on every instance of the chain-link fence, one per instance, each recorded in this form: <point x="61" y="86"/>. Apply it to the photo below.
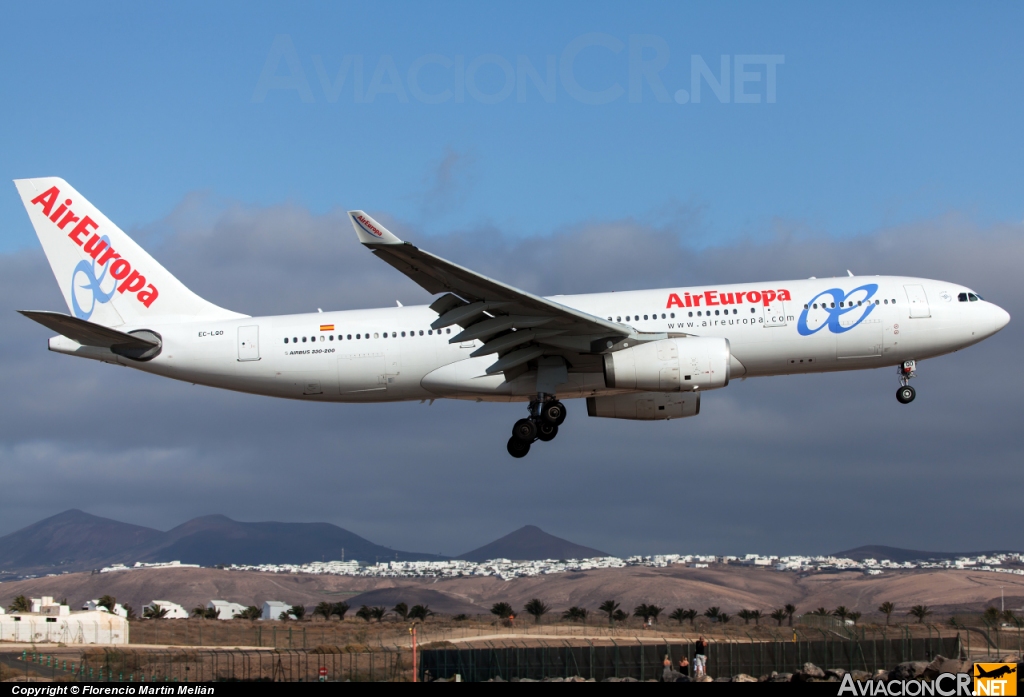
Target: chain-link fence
<point x="212" y="665"/>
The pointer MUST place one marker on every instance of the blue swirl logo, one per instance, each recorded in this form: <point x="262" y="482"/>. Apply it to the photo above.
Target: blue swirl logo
<point x="87" y="279"/>
<point x="818" y="315"/>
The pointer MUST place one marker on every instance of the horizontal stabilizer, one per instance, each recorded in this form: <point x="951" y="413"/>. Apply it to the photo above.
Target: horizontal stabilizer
<point x="89" y="333"/>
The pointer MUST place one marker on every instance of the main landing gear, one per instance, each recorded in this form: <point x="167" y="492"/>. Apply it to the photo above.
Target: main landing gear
<point x="906" y="393"/>
<point x="546" y="415"/>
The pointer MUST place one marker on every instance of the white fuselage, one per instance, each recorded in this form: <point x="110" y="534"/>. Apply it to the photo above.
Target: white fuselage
<point x="392" y="354"/>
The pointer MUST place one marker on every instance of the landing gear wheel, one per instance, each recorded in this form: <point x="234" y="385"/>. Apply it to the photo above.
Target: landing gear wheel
<point x="525" y="430"/>
<point x="546" y="431"/>
<point x="554" y="412"/>
<point x="906" y="394"/>
<point x="517" y="448"/>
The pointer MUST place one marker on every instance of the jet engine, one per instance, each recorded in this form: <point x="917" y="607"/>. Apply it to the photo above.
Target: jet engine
<point x="645" y="406"/>
<point x="670" y="365"/>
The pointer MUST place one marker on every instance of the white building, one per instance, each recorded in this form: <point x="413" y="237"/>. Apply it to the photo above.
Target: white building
<point x="94" y="606"/>
<point x="174" y="611"/>
<point x="225" y="610"/>
<point x="52" y="623"/>
<point x="272" y="609"/>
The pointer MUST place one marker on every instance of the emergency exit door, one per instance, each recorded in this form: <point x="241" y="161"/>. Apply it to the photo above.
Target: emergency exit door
<point x="249" y="343"/>
<point x="918" y="301"/>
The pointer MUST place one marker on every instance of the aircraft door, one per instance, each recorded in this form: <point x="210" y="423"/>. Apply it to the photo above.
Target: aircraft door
<point x="918" y="301"/>
<point x="249" y="343"/>
<point x="775" y="314"/>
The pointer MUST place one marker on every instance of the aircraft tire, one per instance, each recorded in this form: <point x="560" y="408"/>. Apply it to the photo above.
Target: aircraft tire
<point x="906" y="394"/>
<point x="525" y="430"/>
<point x="546" y="432"/>
<point x="517" y="448"/>
<point x="554" y="412"/>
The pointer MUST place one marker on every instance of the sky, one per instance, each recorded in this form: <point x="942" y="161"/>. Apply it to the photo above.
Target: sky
<point x="561" y="148"/>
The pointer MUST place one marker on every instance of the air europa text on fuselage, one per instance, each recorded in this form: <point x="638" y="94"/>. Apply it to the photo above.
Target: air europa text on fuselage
<point x="712" y="298"/>
<point x="96" y="246"/>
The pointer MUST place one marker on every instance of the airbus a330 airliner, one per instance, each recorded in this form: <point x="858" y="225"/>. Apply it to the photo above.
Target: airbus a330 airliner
<point x="644" y="355"/>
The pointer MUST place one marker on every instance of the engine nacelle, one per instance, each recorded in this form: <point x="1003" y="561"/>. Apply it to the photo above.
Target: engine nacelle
<point x="670" y="365"/>
<point x="645" y="406"/>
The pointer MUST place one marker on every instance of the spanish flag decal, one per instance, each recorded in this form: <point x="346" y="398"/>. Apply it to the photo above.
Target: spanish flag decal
<point x="327" y="327"/>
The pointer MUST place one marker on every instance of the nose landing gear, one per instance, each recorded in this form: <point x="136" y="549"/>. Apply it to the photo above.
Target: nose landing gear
<point x="546" y="415"/>
<point x="907" y="369"/>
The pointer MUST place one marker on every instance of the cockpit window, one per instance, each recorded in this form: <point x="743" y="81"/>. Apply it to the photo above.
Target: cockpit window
<point x="973" y="297"/>
<point x="962" y="297"/>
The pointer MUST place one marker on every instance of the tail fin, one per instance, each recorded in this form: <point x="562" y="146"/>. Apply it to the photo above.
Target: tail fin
<point x="105" y="276"/>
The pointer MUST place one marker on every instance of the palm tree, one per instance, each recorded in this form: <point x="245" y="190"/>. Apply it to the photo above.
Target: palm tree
<point x="854" y="616"/>
<point x="744" y="615"/>
<point x="920" y="612"/>
<point x="713" y="612"/>
<point x="756" y="616"/>
<point x="502" y="610"/>
<point x="377" y="613"/>
<point x="887" y="609"/>
<point x="365" y="613"/>
<point x="609" y="606"/>
<point x="107" y="601"/>
<point x="645" y="611"/>
<point x="284" y="616"/>
<point x="205" y="613"/>
<point x="841" y="612"/>
<point x="340" y="609"/>
<point x="620" y="616"/>
<point x="790" y="611"/>
<point x="691" y="615"/>
<point x="779" y="615"/>
<point x="724" y="618"/>
<point x="402" y="610"/>
<point x="154" y="612"/>
<point x="129" y="613"/>
<point x="679" y="615"/>
<point x="250" y="613"/>
<point x="297" y="611"/>
<point x="576" y="614"/>
<point x="821" y="612"/>
<point x="536" y="608"/>
<point x="422" y="612"/>
<point x="323" y="609"/>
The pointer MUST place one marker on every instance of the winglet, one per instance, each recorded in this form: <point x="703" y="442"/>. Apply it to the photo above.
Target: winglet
<point x="370" y="231"/>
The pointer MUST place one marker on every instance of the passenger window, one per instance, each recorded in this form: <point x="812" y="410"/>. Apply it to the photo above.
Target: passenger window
<point x="303" y="339"/>
<point x="698" y="313"/>
<point x="672" y="315"/>
<point x="735" y="312"/>
<point x="421" y="332"/>
<point x="359" y="336"/>
<point x="753" y="310"/>
<point x="322" y="338"/>
<point x="349" y="337"/>
<point x="636" y="318"/>
<point x="689" y="314"/>
<point x="663" y="315"/>
<point x="286" y="340"/>
<point x="645" y="316"/>
<point x="716" y="313"/>
<point x="403" y="335"/>
<point x="886" y="301"/>
<point x="331" y="337"/>
<point x="430" y="331"/>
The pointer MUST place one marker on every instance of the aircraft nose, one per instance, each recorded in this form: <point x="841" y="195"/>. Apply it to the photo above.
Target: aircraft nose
<point x="1001" y="318"/>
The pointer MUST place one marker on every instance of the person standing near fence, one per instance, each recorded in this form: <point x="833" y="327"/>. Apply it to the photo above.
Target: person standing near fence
<point x="700" y="658"/>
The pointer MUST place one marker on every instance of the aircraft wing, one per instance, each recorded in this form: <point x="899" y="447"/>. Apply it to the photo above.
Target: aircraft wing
<point x="515" y="324"/>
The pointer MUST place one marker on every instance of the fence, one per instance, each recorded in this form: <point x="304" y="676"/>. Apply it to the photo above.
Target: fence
<point x="644" y="661"/>
<point x="204" y="665"/>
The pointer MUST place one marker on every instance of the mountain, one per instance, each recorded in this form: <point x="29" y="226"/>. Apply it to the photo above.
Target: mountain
<point x="216" y="539"/>
<point x="78" y="541"/>
<point x="73" y="540"/>
<point x="530" y="542"/>
<point x="901" y="555"/>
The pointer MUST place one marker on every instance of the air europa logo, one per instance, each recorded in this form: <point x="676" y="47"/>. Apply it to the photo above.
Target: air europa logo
<point x="819" y="315"/>
<point x="106" y="262"/>
<point x="714" y="298"/>
<point x="370" y="226"/>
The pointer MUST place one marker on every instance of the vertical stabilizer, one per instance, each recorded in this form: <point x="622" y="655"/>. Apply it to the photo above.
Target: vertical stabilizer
<point x="104" y="275"/>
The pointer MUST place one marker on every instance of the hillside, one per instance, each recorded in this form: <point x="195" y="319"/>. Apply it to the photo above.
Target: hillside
<point x="530" y="542"/>
<point x="78" y="541"/>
